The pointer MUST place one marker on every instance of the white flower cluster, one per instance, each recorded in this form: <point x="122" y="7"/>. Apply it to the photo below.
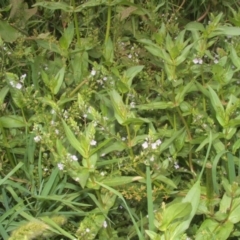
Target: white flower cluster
<point x="197" y="61"/>
<point x="18" y="85"/>
<point x="60" y="166"/>
<point x="37" y="139"/>
<point x="71" y="157"/>
<point x="154" y="145"/>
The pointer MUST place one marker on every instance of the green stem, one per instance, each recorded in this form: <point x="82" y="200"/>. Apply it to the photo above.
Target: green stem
<point x="189" y="137"/>
<point x="129" y="142"/>
<point x="108" y="23"/>
<point x="72" y="93"/>
<point x="76" y="24"/>
<point x="149" y="199"/>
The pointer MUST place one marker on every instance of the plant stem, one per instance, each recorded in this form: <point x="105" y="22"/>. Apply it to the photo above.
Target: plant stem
<point x="189" y="137"/>
<point x="149" y="199"/>
<point x="76" y="23"/>
<point x="129" y="142"/>
<point x="108" y="23"/>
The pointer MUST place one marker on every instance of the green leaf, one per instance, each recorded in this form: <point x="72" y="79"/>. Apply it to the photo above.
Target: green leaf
<point x="131" y="73"/>
<point x="173" y="213"/>
<point x="236" y="146"/>
<point x="79" y="63"/>
<point x="108" y="51"/>
<point x="206" y="141"/>
<point x="166" y="180"/>
<point x="58" y="80"/>
<point x="83" y="176"/>
<point x="120" y="110"/>
<point x="3" y="93"/>
<point x="225" y="203"/>
<point x="121" y="180"/>
<point x="135" y="121"/>
<point x="73" y="141"/>
<point x="182" y="92"/>
<point x="234" y="57"/>
<point x="193" y="197"/>
<point x="231" y="168"/>
<point x="218" y="107"/>
<point x="211" y="229"/>
<point x="12" y="121"/>
<point x="67" y="36"/>
<point x="153" y="235"/>
<point x="155" y="105"/>
<point x="195" y="26"/>
<point x="180" y="59"/>
<point x="214" y="170"/>
<point x="227" y="31"/>
<point x="169" y="141"/>
<point x="159" y="52"/>
<point x="47" y="44"/>
<point x="19" y="165"/>
<point x="234" y="216"/>
<point x="7" y="32"/>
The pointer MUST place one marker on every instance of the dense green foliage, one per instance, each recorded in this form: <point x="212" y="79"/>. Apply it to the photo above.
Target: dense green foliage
<point x="119" y="119"/>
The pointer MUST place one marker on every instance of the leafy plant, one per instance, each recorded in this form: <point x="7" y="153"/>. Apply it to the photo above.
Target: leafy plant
<point x="117" y="123"/>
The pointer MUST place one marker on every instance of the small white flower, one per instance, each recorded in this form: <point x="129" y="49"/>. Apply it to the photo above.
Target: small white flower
<point x="103" y="154"/>
<point x="53" y="111"/>
<point x="74" y="158"/>
<point x="152" y="158"/>
<point x="22" y="78"/>
<point x="93" y="143"/>
<point x="60" y="166"/>
<point x="57" y="131"/>
<point x="102" y="174"/>
<point x="158" y="142"/>
<point x="145" y="145"/>
<point x="197" y="61"/>
<point x="215" y="61"/>
<point x="52" y="123"/>
<point x="132" y="105"/>
<point x="105" y="79"/>
<point x="176" y="166"/>
<point x="18" y="86"/>
<point x="93" y="72"/>
<point x="123" y="138"/>
<point x="130" y="56"/>
<point x="37" y="138"/>
<point x="154" y="146"/>
<point x="105" y="224"/>
<point x="100" y="82"/>
<point x="87" y="230"/>
<point x="85" y="115"/>
<point x="12" y="83"/>
<point x="65" y="114"/>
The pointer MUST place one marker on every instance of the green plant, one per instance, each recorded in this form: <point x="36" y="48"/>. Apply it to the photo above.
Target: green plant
<point x="117" y="123"/>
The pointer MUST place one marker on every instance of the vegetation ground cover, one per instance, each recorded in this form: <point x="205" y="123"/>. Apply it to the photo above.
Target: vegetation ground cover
<point x="119" y="119"/>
